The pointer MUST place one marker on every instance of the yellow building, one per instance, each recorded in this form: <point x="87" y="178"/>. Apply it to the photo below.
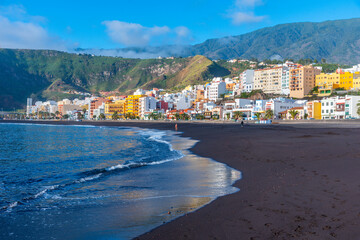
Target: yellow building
<point x="330" y="81"/>
<point x="112" y="107"/>
<point x="132" y="104"/>
<point x="314" y="109"/>
<point x="356" y="81"/>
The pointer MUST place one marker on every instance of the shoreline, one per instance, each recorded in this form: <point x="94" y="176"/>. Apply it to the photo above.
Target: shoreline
<point x="298" y="181"/>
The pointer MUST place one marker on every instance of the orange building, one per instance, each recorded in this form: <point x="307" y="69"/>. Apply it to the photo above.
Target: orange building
<point x="302" y="81"/>
<point x="94" y="104"/>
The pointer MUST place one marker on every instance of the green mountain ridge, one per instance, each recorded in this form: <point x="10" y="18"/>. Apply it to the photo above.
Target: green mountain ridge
<point x="48" y="74"/>
<point x="337" y="41"/>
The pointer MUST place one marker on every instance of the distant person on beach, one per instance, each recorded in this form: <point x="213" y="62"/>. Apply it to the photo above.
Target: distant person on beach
<point x="242" y="123"/>
<point x="176" y="128"/>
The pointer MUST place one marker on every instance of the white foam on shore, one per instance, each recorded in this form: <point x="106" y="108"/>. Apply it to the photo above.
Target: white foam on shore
<point x="85" y="179"/>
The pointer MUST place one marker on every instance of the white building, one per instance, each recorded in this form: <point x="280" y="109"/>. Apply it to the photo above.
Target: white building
<point x="209" y="106"/>
<point x="215" y="89"/>
<point x="328" y="106"/>
<point x="242" y="103"/>
<point x="99" y="110"/>
<point x="247" y="80"/>
<point x="351" y="106"/>
<point x="354" y="69"/>
<point x="285" y="79"/>
<point x="281" y="104"/>
<point x="139" y="92"/>
<point x="340" y="108"/>
<point x="28" y="106"/>
<point x="147" y="104"/>
<point x="183" y="102"/>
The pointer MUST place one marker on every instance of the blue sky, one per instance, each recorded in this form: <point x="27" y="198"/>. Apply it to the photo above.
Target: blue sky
<point x="65" y="24"/>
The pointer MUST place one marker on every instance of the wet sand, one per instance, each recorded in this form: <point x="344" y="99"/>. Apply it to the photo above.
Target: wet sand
<point x="298" y="182"/>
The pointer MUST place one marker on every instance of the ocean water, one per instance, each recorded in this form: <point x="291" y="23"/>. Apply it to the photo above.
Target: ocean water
<point x="85" y="182"/>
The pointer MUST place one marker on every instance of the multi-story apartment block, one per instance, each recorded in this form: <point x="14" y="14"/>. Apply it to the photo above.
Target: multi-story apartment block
<point x="302" y="80"/>
<point x="132" y="104"/>
<point x="94" y="104"/>
<point x="268" y="80"/>
<point x="247" y="80"/>
<point x="112" y="107"/>
<point x="215" y="90"/>
<point x="147" y="104"/>
<point x="285" y="81"/>
<point x="330" y="81"/>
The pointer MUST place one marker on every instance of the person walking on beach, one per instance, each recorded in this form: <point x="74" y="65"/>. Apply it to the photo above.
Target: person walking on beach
<point x="176" y="127"/>
<point x="242" y="123"/>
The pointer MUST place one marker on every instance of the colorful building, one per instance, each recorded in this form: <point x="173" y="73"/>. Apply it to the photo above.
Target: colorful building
<point x="330" y="81"/>
<point x="302" y="80"/>
<point x="314" y="110"/>
<point x="112" y="107"/>
<point x="132" y="104"/>
<point x="94" y="104"/>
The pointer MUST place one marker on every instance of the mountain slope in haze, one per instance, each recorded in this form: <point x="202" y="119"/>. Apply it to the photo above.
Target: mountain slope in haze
<point x="48" y="74"/>
<point x="336" y="41"/>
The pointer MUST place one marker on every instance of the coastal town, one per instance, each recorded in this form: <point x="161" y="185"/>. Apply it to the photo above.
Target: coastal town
<point x="288" y="91"/>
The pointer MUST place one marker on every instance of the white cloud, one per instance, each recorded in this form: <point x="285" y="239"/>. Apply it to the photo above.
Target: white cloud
<point x="243" y="12"/>
<point x="248" y="3"/>
<point x="20" y="30"/>
<point x="182" y="31"/>
<point x="244" y="17"/>
<point x="134" y="34"/>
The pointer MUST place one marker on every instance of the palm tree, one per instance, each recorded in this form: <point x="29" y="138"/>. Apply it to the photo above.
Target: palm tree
<point x="102" y="116"/>
<point x="227" y="116"/>
<point x="238" y="114"/>
<point x="177" y="116"/>
<point x="153" y="116"/>
<point x="160" y="116"/>
<point x="293" y="114"/>
<point x="115" y="116"/>
<point x="184" y="116"/>
<point x="257" y="115"/>
<point x="269" y="114"/>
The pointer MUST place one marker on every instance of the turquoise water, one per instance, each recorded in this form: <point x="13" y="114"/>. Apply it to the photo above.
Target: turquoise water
<point x="84" y="182"/>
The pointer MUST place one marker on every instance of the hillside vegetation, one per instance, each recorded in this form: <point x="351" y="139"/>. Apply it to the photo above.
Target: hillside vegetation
<point x="48" y="74"/>
<point x="337" y="41"/>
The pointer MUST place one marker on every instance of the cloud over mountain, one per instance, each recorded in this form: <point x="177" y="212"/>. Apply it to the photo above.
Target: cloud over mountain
<point x="243" y="12"/>
<point x="135" y="35"/>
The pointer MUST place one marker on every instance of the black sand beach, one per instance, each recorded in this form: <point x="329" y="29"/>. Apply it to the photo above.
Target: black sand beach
<point x="298" y="182"/>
